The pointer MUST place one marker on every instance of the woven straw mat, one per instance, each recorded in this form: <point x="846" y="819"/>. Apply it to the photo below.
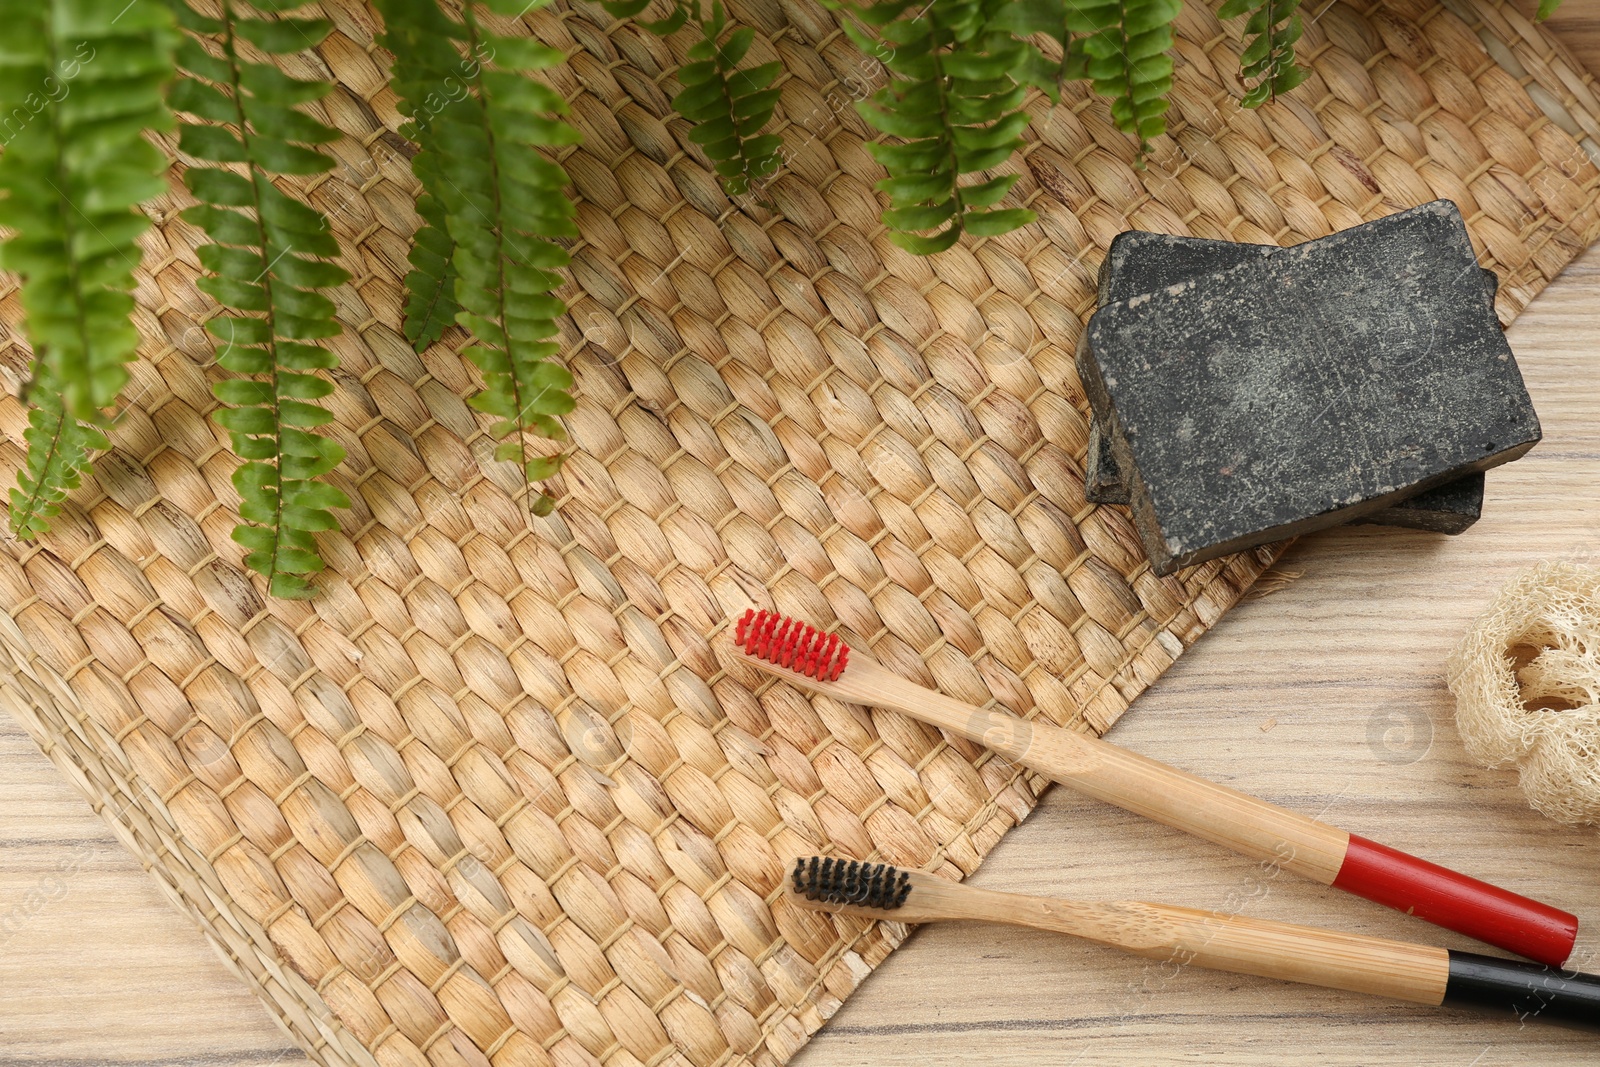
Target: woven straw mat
<point x="501" y="794"/>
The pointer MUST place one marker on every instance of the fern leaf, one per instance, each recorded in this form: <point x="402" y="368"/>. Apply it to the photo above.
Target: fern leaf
<point x="1272" y="30"/>
<point x="84" y="79"/>
<point x="428" y="70"/>
<point x="728" y="106"/>
<point x="1024" y="19"/>
<point x="268" y="257"/>
<point x="58" y="454"/>
<point x="431" y="283"/>
<point x="505" y="209"/>
<point x="955" y="107"/>
<point x="1122" y="48"/>
<point x="1546" y="9"/>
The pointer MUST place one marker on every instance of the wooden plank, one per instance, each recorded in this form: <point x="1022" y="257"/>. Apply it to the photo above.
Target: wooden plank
<point x="96" y="966"/>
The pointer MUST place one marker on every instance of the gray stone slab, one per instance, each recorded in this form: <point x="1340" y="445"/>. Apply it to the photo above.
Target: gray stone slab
<point x="1141" y="262"/>
<point x="1305" y="387"/>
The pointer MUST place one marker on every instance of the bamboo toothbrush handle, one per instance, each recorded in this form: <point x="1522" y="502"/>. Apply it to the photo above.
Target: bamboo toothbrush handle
<point x="1308" y="847"/>
<point x="801" y="654"/>
<point x="1182" y="936"/>
<point x="1244" y="823"/>
<point x="1421" y="974"/>
<point x="1331" y="958"/>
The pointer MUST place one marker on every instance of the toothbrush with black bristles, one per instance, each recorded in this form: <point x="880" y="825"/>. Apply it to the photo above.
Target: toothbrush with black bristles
<point x="805" y="656"/>
<point x="1421" y="974"/>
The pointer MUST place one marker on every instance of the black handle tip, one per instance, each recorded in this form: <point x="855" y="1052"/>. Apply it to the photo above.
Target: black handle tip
<point x="1530" y="991"/>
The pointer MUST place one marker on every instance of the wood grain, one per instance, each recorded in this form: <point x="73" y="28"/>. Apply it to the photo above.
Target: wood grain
<point x="1188" y="937"/>
<point x="1103" y="770"/>
<point x="1327" y="697"/>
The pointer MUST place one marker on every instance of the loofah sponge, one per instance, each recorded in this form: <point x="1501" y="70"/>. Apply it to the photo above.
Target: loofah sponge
<point x="1527" y="685"/>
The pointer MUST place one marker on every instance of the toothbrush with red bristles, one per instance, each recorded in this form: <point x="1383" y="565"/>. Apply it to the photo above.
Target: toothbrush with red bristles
<point x="804" y="656"/>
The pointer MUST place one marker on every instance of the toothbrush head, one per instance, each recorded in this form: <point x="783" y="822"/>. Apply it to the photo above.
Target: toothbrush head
<point x="851" y="883"/>
<point x="790" y="643"/>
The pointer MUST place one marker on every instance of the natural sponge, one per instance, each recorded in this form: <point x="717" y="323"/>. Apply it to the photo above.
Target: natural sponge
<point x="1527" y="685"/>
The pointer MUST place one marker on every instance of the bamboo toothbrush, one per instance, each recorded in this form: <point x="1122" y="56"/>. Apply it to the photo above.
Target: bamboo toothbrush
<point x="1421" y="974"/>
<point x="806" y="657"/>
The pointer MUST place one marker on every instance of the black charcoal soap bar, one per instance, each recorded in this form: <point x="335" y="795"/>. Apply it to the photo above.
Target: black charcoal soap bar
<point x="1305" y="388"/>
<point x="1142" y="262"/>
<point x="1102" y="481"/>
<point x="1448" y="509"/>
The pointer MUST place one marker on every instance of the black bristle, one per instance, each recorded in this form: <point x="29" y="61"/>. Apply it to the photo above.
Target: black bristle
<point x="851" y="882"/>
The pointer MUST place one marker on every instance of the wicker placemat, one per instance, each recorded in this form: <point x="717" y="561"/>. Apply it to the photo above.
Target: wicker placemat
<point x="500" y="795"/>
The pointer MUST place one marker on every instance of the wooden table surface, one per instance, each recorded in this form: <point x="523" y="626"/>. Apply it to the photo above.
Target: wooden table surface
<point x="1326" y="696"/>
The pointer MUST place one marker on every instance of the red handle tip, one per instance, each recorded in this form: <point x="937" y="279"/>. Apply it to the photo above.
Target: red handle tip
<point x="1457" y="902"/>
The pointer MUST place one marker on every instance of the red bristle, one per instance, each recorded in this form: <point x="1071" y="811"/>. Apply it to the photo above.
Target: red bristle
<point x="791" y="643"/>
<point x="783" y="639"/>
<point x="765" y="624"/>
<point x="822" y="654"/>
<point x="772" y="638"/>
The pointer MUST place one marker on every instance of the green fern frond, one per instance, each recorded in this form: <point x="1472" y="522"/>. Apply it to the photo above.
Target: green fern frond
<point x="1273" y="28"/>
<point x="268" y="257"/>
<point x="728" y="106"/>
<point x="431" y="282"/>
<point x="1122" y="48"/>
<point x="428" y="70"/>
<point x="58" y="454"/>
<point x="955" y="108"/>
<point x="1024" y="19"/>
<point x="505" y="207"/>
<point x="80" y="81"/>
<point x="1546" y="9"/>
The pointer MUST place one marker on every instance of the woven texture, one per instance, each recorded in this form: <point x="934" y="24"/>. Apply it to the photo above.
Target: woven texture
<point x="501" y="794"/>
